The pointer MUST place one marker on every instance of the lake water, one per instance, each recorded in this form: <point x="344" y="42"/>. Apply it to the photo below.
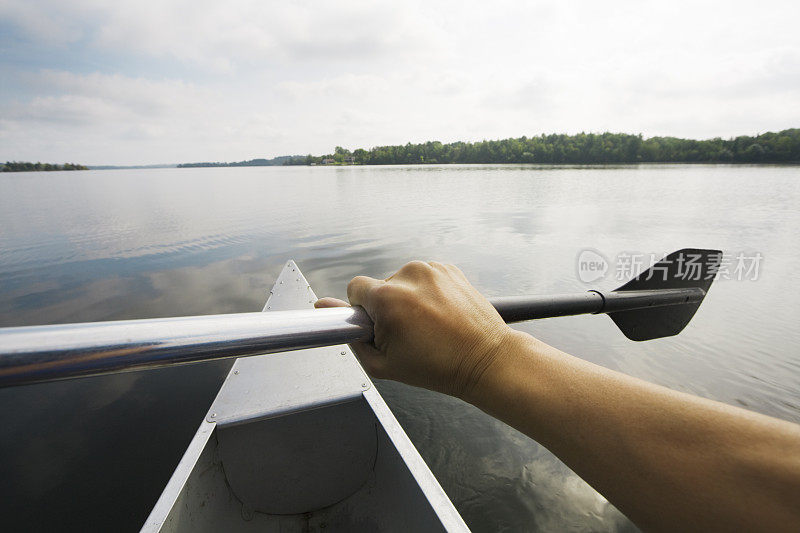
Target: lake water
<point x="94" y="454"/>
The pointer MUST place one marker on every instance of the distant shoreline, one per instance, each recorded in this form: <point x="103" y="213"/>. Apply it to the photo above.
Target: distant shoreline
<point x="543" y="165"/>
<point x="533" y="166"/>
<point x="580" y="149"/>
<point x="24" y="166"/>
<point x="127" y="167"/>
<point x="781" y="147"/>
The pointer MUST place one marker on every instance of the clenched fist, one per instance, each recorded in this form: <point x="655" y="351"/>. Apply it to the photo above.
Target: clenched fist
<point x="433" y="329"/>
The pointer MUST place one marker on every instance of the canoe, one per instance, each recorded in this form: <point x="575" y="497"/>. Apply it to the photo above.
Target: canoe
<point x="301" y="441"/>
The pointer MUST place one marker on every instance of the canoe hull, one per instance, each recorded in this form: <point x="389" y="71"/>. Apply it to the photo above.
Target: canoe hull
<point x="301" y="441"/>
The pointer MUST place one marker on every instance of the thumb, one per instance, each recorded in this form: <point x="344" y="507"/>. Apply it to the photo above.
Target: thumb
<point x="330" y="302"/>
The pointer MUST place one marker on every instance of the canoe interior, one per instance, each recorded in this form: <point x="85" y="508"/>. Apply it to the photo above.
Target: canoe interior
<point x="297" y="442"/>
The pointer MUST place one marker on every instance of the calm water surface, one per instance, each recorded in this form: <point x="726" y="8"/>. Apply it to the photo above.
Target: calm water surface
<point x="94" y="454"/>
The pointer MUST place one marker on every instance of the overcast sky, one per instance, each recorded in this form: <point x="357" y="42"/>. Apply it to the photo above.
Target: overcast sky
<point x="165" y="81"/>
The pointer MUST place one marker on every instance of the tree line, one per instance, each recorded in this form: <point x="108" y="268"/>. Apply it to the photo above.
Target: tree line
<point x="281" y="160"/>
<point x="23" y="166"/>
<point x="583" y="148"/>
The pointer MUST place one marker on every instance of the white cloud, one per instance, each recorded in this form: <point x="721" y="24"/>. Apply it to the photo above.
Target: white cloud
<point x="106" y="118"/>
<point x="234" y="33"/>
<point x="346" y="86"/>
<point x="156" y="81"/>
<point x="40" y="22"/>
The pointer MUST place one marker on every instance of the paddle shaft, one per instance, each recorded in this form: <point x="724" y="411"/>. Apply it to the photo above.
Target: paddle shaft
<point x="46" y="353"/>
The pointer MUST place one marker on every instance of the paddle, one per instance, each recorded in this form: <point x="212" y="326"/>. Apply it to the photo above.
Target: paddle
<point x="657" y="303"/>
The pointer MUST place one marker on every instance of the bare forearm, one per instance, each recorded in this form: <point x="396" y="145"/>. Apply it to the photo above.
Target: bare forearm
<point x="668" y="460"/>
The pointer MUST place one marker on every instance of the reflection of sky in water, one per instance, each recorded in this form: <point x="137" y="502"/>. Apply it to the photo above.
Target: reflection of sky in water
<point x="131" y="244"/>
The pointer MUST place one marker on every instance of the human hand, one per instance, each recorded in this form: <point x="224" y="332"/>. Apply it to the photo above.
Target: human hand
<point x="433" y="329"/>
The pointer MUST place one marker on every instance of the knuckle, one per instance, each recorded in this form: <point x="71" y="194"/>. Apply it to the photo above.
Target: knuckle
<point x="416" y="268"/>
<point x="358" y="280"/>
<point x="438" y="267"/>
<point x="355" y="283"/>
<point x="455" y="270"/>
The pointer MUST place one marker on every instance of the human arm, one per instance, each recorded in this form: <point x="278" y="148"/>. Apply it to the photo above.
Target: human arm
<point x="668" y="460"/>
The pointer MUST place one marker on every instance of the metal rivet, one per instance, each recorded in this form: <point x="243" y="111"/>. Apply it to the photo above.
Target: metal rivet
<point x="364" y="385"/>
<point x="214" y="415"/>
<point x="235" y="371"/>
<point x="281" y="283"/>
<point x="344" y="353"/>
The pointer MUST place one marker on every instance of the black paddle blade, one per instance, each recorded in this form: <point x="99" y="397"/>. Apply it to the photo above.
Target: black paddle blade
<point x="687" y="268"/>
